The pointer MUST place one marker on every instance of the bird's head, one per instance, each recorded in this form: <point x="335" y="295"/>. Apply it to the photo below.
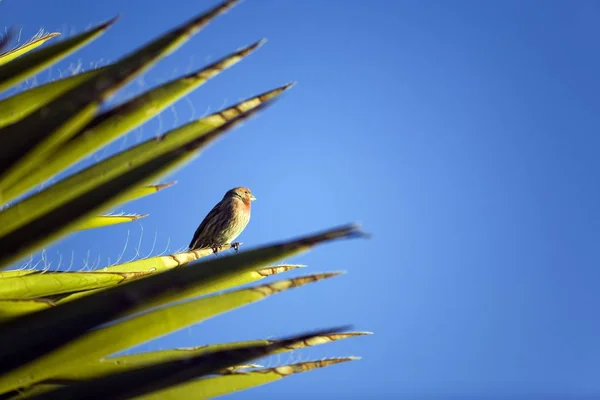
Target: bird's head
<point x="242" y="193"/>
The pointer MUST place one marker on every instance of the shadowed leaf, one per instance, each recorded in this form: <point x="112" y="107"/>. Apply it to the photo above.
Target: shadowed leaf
<point x="122" y="363"/>
<point x="25" y="338"/>
<point x="223" y="384"/>
<point x="140" y="329"/>
<point x="151" y="378"/>
<point x="11" y="308"/>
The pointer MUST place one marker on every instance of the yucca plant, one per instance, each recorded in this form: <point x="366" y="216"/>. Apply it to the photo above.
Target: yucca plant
<point x="60" y="330"/>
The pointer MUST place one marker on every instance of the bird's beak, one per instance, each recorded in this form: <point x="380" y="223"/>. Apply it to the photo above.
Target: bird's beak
<point x="252" y="197"/>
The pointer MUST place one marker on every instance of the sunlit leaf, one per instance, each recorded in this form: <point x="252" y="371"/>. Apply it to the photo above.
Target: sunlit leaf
<point x="26" y="47"/>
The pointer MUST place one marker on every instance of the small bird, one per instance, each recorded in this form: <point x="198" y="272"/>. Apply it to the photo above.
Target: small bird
<point x="227" y="219"/>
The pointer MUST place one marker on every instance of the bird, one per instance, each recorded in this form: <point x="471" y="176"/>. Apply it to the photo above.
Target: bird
<point x="225" y="222"/>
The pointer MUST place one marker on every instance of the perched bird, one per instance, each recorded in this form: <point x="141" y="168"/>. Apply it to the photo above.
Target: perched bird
<point x="225" y="221"/>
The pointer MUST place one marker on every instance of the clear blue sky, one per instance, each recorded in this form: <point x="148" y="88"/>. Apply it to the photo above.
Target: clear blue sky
<point x="463" y="134"/>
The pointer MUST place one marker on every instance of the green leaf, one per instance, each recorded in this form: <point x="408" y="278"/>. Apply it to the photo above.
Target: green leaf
<point x="123" y="363"/>
<point x="26" y="145"/>
<point x="47" y="215"/>
<point x="107" y="220"/>
<point x="143" y="191"/>
<point x="223" y="384"/>
<point x="20" y="105"/>
<point x="32" y="44"/>
<point x="163" y="263"/>
<point x="53" y="283"/>
<point x="11" y="308"/>
<point x="138" y="382"/>
<point x="236" y="280"/>
<point x="18" y="272"/>
<point x="110" y="125"/>
<point x="30" y="64"/>
<point x="138" y="330"/>
<point x="208" y="387"/>
<point x="26" y="338"/>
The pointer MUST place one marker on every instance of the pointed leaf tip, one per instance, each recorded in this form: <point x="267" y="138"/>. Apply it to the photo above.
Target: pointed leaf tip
<point x="250" y="48"/>
<point x="52" y="35"/>
<point x="108" y="23"/>
<point x="277" y="269"/>
<point x="321" y="332"/>
<point x="162" y="186"/>
<point x="205" y="18"/>
<point x="350" y="231"/>
<point x="282" y="285"/>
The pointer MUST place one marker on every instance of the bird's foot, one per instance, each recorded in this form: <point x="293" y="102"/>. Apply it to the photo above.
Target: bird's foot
<point x="236" y="246"/>
<point x="216" y="248"/>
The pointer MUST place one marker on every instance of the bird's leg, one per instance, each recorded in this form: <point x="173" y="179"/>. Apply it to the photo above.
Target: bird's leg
<point x="216" y="248"/>
<point x="236" y="246"/>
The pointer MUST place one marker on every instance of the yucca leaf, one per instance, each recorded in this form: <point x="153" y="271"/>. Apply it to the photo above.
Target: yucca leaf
<point x="122" y="363"/>
<point x="18" y="272"/>
<point x="28" y="337"/>
<point x="222" y="384"/>
<point x="18" y="307"/>
<point x="30" y="64"/>
<point x="108" y="126"/>
<point x="108" y="189"/>
<point x="26" y="145"/>
<point x="26" y="47"/>
<point x="52" y="212"/>
<point x="163" y="263"/>
<point x="137" y="330"/>
<point x="226" y="381"/>
<point x="143" y="191"/>
<point x="10" y="308"/>
<point x="234" y="281"/>
<point x="53" y="283"/>
<point x="138" y="382"/>
<point x="24" y="103"/>
<point x="69" y="188"/>
<point x="107" y="220"/>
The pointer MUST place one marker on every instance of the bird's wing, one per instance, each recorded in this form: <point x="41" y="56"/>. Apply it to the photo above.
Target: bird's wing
<point x="207" y="226"/>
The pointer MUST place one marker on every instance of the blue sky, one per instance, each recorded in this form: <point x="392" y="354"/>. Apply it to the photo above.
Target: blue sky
<point x="463" y="134"/>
